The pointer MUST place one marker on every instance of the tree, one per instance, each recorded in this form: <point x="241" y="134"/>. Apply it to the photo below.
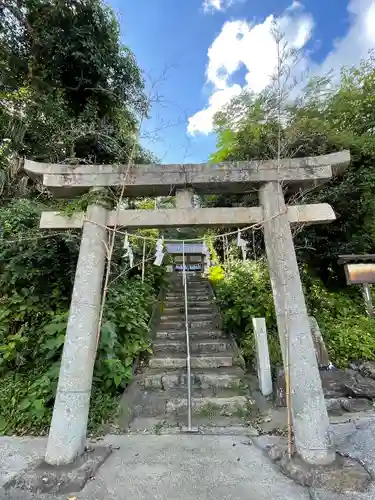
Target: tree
<point x="321" y="119"/>
<point x="69" y="92"/>
<point x="82" y="90"/>
<point x="337" y="120"/>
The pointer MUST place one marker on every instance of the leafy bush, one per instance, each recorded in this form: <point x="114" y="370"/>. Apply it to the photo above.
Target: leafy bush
<point x="348" y="333"/>
<point x="124" y="334"/>
<point x="36" y="277"/>
<point x="50" y="118"/>
<point x="244" y="292"/>
<point x="29" y="376"/>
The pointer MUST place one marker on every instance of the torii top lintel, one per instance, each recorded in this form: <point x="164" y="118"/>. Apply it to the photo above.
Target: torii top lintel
<point x="163" y="180"/>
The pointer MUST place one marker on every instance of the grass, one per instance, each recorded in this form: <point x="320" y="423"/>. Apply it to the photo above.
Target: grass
<point x="208" y="410"/>
<point x="159" y="427"/>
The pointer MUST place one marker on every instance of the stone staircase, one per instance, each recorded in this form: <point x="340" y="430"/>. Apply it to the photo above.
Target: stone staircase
<point x="157" y="400"/>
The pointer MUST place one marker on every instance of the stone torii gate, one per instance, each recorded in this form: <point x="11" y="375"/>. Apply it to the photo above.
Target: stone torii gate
<point x="69" y="422"/>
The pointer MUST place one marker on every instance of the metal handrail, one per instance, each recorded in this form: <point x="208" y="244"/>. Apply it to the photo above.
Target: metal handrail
<point x="184" y="280"/>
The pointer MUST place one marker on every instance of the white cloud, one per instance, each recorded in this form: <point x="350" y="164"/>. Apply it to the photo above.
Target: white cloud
<point x="214" y="5"/>
<point x="359" y="39"/>
<point x="294" y="6"/>
<point x="202" y="121"/>
<point x="241" y="44"/>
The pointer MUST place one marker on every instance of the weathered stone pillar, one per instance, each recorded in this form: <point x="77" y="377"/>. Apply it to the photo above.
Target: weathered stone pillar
<point x="310" y="418"/>
<point x="67" y="434"/>
<point x="184" y="198"/>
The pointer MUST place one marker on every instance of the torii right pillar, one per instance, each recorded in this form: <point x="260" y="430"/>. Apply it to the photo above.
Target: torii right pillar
<point x="309" y="412"/>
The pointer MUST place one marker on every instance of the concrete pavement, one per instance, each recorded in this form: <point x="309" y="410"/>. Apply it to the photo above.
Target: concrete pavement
<point x="178" y="467"/>
<point x="191" y="467"/>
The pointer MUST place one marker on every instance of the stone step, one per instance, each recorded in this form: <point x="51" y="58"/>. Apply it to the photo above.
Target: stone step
<point x="206" y="424"/>
<point x="192" y="317"/>
<point x="190" y="279"/>
<point x="196" y="299"/>
<point x="199" y="292"/>
<point x="192" y="309"/>
<point x="224" y="414"/>
<point x="173" y="324"/>
<point x="193" y="334"/>
<point x="181" y="312"/>
<point x="190" y="287"/>
<point x="201" y="346"/>
<point x="225" y="377"/>
<point x="204" y="302"/>
<point x="189" y="276"/>
<point x="191" y="312"/>
<point x="191" y="296"/>
<point x="230" y="404"/>
<point x="170" y="360"/>
<point x="214" y="401"/>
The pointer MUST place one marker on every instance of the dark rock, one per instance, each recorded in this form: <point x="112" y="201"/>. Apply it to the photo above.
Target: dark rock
<point x="64" y="479"/>
<point x="275" y="453"/>
<point x="337" y="385"/>
<point x="334" y="383"/>
<point x="354" y="365"/>
<point x="338" y="406"/>
<point x="334" y="405"/>
<point x="367" y="369"/>
<point x="344" y="475"/>
<point x="356" y="404"/>
<point x="360" y="387"/>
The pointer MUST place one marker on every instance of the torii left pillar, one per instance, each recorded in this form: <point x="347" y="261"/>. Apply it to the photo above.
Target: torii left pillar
<point x="67" y="433"/>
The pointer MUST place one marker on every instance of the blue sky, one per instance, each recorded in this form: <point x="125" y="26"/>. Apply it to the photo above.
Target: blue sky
<point x="199" y="53"/>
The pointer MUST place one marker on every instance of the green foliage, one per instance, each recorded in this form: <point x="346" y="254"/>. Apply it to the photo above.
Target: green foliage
<point x="349" y="334"/>
<point x="29" y="364"/>
<point x="244" y="292"/>
<point x="124" y="334"/>
<point x="36" y="277"/>
<point x="71" y="93"/>
<point x="69" y="89"/>
<point x="25" y="400"/>
<point x="321" y="120"/>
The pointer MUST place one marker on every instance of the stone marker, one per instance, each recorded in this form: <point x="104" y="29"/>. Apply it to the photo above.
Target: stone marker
<point x="262" y="356"/>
